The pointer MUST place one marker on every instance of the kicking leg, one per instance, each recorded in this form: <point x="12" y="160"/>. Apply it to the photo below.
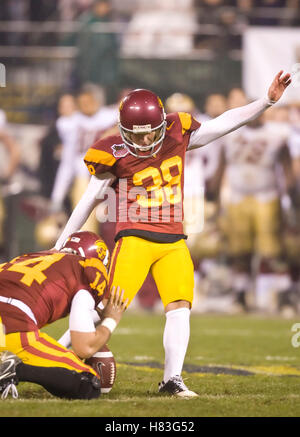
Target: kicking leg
<point x="174" y="277"/>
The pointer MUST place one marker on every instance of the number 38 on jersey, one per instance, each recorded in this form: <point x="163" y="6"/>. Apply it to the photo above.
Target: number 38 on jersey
<point x="165" y="185"/>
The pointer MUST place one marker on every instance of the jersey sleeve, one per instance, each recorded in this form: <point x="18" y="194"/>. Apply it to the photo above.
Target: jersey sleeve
<point x="81" y="314"/>
<point x="188" y="123"/>
<point x="227" y="122"/>
<point x="180" y="125"/>
<point x="99" y="158"/>
<point x="294" y="144"/>
<point x="2" y="119"/>
<point x="94" y="278"/>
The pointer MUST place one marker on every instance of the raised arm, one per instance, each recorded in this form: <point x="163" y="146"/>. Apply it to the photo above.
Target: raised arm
<point x="233" y="119"/>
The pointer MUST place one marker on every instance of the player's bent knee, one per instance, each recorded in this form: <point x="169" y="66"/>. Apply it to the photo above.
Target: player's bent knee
<point x="177" y="304"/>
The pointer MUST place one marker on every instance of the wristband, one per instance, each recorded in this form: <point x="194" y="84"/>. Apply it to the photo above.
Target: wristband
<point x="270" y="102"/>
<point x="109" y="323"/>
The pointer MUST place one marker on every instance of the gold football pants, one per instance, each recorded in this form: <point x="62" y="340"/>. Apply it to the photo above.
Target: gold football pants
<point x="254" y="226"/>
<point x="170" y="265"/>
<point x="39" y="349"/>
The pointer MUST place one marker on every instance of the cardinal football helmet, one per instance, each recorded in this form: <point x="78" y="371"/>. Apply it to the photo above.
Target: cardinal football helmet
<point x="141" y="112"/>
<point x="87" y="244"/>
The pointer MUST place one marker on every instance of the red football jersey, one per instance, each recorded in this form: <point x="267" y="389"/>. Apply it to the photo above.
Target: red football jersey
<point x="46" y="282"/>
<point x="149" y="191"/>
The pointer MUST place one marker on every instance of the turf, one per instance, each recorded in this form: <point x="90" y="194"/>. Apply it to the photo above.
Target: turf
<point x="241" y="366"/>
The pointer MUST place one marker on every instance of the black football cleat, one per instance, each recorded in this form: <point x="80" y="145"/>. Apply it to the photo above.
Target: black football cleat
<point x="176" y="387"/>
<point x="8" y="376"/>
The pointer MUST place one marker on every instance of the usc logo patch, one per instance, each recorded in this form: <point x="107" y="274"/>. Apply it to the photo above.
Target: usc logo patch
<point x="102" y="252"/>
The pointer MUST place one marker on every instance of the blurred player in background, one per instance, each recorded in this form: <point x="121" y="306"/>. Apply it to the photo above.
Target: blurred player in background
<point x="294" y="138"/>
<point x="236" y="97"/>
<point x="10" y="159"/>
<point x="145" y="164"/>
<point x="78" y="131"/>
<point x="56" y="147"/>
<point x="206" y="246"/>
<point x="254" y="157"/>
<point x="36" y="290"/>
<point x="292" y="211"/>
<point x="51" y="144"/>
<point x="200" y="166"/>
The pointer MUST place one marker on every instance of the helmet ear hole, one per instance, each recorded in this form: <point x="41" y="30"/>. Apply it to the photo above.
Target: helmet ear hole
<point x="106" y="259"/>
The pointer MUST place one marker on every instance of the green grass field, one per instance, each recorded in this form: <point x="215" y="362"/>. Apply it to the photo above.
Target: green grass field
<point x="240" y="366"/>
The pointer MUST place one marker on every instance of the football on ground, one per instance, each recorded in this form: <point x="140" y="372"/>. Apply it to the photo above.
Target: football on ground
<point x="104" y="364"/>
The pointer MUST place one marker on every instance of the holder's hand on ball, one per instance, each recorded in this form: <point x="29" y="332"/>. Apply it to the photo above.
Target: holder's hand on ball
<point x="116" y="304"/>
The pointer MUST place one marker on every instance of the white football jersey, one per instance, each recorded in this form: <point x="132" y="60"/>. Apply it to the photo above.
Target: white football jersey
<point x="251" y="156"/>
<point x="67" y="125"/>
<point x="194" y="188"/>
<point x="294" y="138"/>
<point x="90" y="129"/>
<point x="2" y="119"/>
<point x="201" y="164"/>
<point x="77" y="133"/>
<point x="3" y="151"/>
<point x="194" y="179"/>
<point x="294" y="142"/>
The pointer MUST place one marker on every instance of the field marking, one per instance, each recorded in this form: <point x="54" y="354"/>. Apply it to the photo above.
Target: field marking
<point x="215" y="332"/>
<point x="135" y="331"/>
<point x="137" y="367"/>
<point x="142" y="358"/>
<point x="240" y="333"/>
<point x="275" y="370"/>
<point x="279" y="358"/>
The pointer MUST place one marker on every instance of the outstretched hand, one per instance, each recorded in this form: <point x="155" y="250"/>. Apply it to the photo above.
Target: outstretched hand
<point x="115" y="305"/>
<point x="278" y="86"/>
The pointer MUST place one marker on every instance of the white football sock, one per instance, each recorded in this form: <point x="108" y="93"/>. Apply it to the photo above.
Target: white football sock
<point x="175" y="340"/>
